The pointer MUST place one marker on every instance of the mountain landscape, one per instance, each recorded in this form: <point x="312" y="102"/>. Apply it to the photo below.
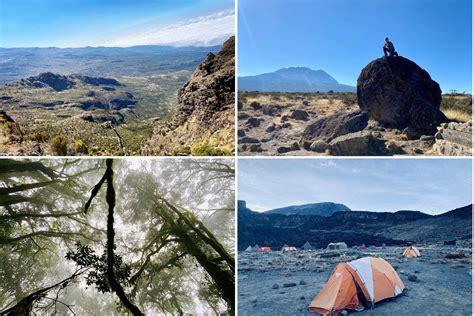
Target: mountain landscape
<point x="352" y="227"/>
<point x="106" y="100"/>
<point x="397" y="110"/>
<point x="321" y="209"/>
<point x="293" y="79"/>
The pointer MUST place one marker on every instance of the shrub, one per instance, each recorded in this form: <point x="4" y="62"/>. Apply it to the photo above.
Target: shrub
<point x="80" y="147"/>
<point x="460" y="103"/>
<point x="457" y="107"/>
<point x="59" y="145"/>
<point x="207" y="150"/>
<point x="40" y="136"/>
<point x="255" y="105"/>
<point x="182" y="151"/>
<point x="348" y="98"/>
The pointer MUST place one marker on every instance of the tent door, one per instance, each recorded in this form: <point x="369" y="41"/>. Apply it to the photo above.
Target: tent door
<point x="360" y="295"/>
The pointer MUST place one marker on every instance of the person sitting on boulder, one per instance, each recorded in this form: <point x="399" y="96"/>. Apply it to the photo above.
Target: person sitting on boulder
<point x="388" y="48"/>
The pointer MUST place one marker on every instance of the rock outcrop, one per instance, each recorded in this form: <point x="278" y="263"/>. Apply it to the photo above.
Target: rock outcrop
<point x="454" y="139"/>
<point x="398" y="93"/>
<point x="363" y="143"/>
<point x="97" y="81"/>
<point x="211" y="88"/>
<point x="205" y="113"/>
<point x="49" y="79"/>
<point x="327" y="128"/>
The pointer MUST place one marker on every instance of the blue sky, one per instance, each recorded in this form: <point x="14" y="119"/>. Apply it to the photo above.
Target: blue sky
<point x="78" y="23"/>
<point x="432" y="186"/>
<point x="342" y="36"/>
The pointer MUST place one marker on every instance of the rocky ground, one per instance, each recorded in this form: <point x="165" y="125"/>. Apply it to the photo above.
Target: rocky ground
<point x="438" y="283"/>
<point x="328" y="124"/>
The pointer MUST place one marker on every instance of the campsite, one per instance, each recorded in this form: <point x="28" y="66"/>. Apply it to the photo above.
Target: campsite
<point x="354" y="236"/>
<point x="435" y="283"/>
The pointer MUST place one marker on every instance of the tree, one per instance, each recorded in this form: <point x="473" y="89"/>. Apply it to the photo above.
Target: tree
<point x="156" y="233"/>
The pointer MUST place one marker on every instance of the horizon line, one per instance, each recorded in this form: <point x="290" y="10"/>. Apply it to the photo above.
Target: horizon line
<point x="351" y="210"/>
<point x="101" y="46"/>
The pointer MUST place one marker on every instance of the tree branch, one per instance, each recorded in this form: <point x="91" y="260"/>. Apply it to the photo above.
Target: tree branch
<point x="114" y="284"/>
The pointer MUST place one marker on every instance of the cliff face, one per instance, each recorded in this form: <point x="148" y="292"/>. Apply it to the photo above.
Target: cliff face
<point x="353" y="227"/>
<point x="211" y="88"/>
<point x="204" y="119"/>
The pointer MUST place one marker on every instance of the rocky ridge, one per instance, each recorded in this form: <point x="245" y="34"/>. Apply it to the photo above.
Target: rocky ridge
<point x="354" y="227"/>
<point x="205" y="114"/>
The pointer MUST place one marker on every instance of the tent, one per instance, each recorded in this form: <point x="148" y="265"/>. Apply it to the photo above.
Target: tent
<point x="337" y="246"/>
<point x="249" y="248"/>
<point x="288" y="249"/>
<point x="362" y="247"/>
<point x="284" y="246"/>
<point x="256" y="247"/>
<point x="264" y="249"/>
<point x="411" y="252"/>
<point x="307" y="246"/>
<point x="362" y="282"/>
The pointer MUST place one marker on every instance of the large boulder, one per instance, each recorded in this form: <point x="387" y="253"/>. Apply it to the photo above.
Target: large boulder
<point x="362" y="143"/>
<point x="399" y="93"/>
<point x="327" y="128"/>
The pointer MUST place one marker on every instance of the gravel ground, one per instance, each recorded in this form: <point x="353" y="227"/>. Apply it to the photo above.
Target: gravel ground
<point x="443" y="286"/>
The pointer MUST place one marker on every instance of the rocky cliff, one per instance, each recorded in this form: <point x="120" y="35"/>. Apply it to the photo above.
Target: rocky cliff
<point x="204" y="120"/>
<point x="354" y="227"/>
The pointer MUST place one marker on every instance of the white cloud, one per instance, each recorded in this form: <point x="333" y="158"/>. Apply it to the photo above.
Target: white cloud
<point x="206" y="30"/>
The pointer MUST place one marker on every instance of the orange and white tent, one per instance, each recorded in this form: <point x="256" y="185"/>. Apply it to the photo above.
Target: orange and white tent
<point x="288" y="249"/>
<point x="362" y="282"/>
<point x="264" y="249"/>
<point x="411" y="252"/>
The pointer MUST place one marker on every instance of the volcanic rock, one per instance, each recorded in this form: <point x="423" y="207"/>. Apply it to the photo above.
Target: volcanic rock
<point x="399" y="93"/>
<point x="362" y="143"/>
<point x="299" y="115"/>
<point x="327" y="128"/>
<point x="454" y="139"/>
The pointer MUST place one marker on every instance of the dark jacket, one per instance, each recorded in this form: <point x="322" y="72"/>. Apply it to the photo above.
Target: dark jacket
<point x="389" y="46"/>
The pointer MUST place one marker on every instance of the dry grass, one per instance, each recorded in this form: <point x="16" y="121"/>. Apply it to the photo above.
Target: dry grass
<point x="324" y="103"/>
<point x="457" y="115"/>
<point x="457" y="107"/>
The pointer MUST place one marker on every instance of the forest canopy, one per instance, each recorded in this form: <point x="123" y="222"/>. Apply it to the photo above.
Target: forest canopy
<point x="123" y="236"/>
